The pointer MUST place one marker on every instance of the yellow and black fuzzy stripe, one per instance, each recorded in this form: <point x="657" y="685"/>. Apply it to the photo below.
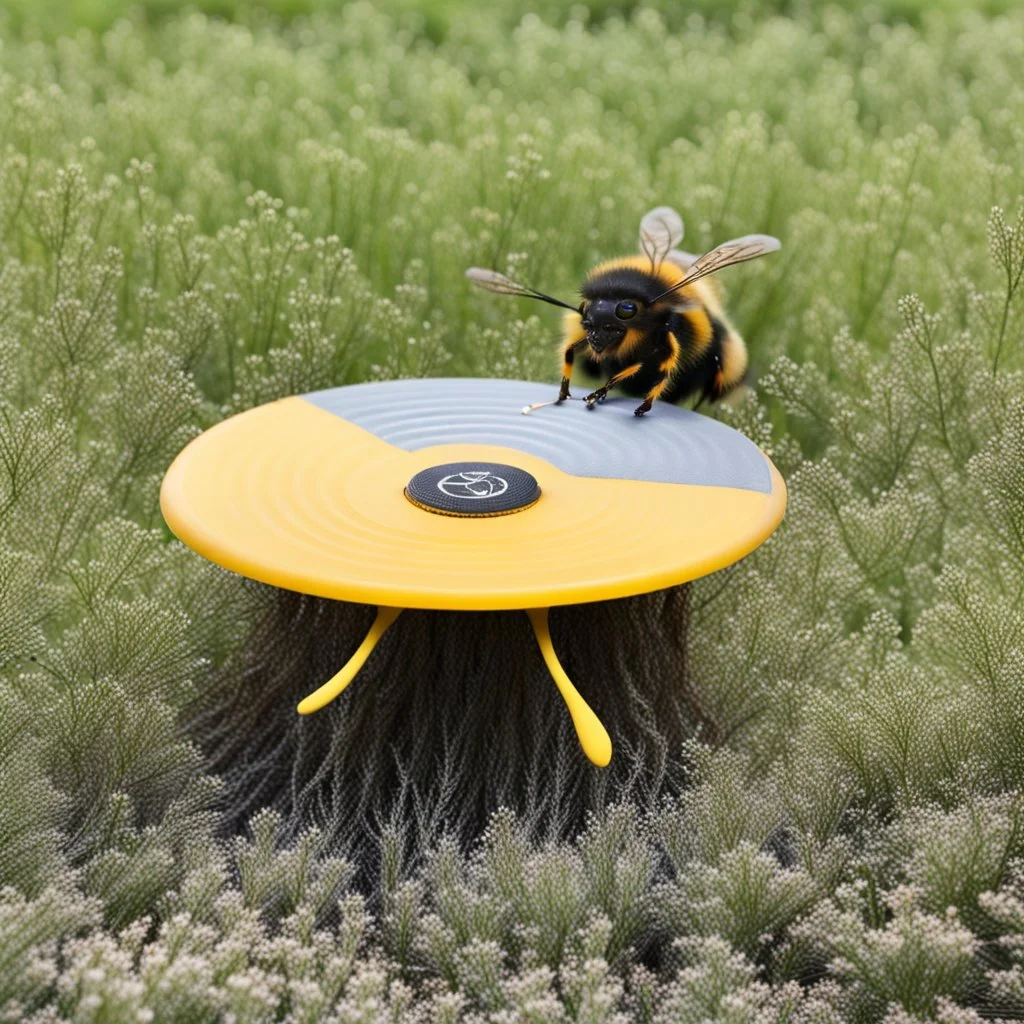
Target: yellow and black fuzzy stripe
<point x="715" y="368"/>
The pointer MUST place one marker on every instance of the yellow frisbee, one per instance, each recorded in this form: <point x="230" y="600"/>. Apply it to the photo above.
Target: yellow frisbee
<point x="442" y="494"/>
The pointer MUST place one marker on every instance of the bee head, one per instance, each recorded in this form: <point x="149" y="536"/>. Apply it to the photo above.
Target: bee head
<point x="607" y="320"/>
<point x="617" y="298"/>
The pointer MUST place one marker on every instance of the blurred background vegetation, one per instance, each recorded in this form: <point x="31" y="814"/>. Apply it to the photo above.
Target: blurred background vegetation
<point x="436" y="18"/>
<point x="205" y="209"/>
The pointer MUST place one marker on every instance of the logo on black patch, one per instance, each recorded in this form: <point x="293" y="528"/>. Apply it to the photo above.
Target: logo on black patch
<point x="473" y="484"/>
<point x="473" y="489"/>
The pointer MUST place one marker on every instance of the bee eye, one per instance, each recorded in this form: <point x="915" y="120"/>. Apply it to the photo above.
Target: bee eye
<point x="625" y="310"/>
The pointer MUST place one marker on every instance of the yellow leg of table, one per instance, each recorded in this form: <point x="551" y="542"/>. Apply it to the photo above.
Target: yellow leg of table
<point x="337" y="683"/>
<point x="593" y="736"/>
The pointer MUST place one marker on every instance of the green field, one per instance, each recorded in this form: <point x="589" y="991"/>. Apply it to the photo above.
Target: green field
<point x="207" y="209"/>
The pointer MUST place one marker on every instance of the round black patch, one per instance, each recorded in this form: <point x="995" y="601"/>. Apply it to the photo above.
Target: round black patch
<point x="473" y="489"/>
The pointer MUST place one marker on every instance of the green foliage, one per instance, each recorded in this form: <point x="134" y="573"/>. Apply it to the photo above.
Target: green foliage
<point x="437" y="18"/>
<point x="911" y="962"/>
<point x="198" y="216"/>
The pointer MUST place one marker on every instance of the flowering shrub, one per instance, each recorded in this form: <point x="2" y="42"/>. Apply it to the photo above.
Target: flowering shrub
<point x="198" y="216"/>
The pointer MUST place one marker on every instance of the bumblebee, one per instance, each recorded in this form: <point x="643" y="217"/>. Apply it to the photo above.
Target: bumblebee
<point x="652" y="324"/>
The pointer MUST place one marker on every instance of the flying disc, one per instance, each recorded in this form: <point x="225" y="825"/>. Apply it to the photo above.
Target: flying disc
<point x="442" y="494"/>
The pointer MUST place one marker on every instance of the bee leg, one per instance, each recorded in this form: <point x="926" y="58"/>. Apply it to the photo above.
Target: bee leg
<point x="602" y="392"/>
<point x="654" y="393"/>
<point x="568" y="357"/>
<point x="665" y="370"/>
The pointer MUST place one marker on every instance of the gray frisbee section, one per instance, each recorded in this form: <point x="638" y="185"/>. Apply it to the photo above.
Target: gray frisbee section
<point x="669" y="445"/>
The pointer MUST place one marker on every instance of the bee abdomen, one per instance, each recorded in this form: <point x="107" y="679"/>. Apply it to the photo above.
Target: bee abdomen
<point x="714" y="357"/>
<point x="732" y="366"/>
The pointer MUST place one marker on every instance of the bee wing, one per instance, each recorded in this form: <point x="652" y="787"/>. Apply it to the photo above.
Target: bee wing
<point x="661" y="229"/>
<point x="738" y="250"/>
<point x="492" y="281"/>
